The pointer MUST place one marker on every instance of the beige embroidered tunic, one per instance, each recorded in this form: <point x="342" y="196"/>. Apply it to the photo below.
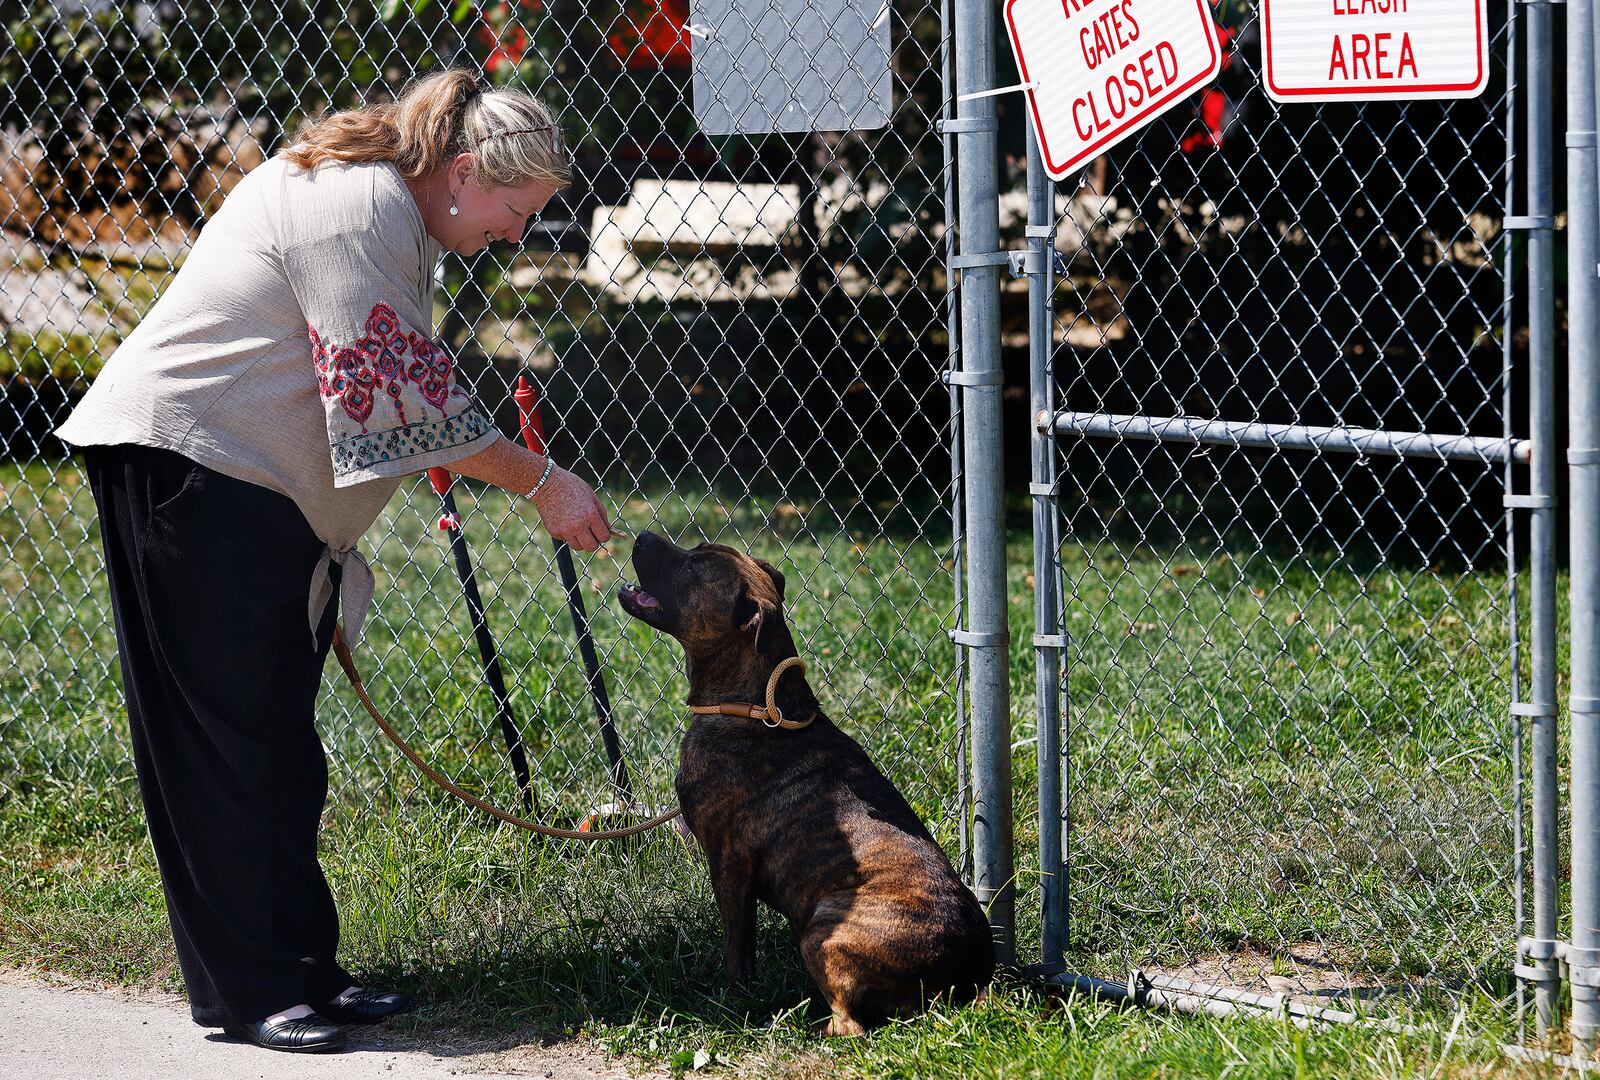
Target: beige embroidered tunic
<point x="293" y="350"/>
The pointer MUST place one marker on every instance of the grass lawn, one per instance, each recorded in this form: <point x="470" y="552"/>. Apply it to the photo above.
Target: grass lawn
<point x="1283" y="768"/>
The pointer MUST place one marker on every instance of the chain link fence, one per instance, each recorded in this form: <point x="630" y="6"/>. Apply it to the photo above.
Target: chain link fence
<point x="1287" y="669"/>
<point x="738" y="339"/>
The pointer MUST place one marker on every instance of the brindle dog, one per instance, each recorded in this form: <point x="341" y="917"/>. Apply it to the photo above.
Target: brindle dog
<point x="802" y="818"/>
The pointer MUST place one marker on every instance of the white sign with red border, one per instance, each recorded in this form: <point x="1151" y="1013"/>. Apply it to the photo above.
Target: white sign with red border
<point x="1362" y="50"/>
<point x="1099" y="70"/>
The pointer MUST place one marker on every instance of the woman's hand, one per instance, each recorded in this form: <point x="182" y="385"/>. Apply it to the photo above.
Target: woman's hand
<point x="567" y="506"/>
<point x="571" y="511"/>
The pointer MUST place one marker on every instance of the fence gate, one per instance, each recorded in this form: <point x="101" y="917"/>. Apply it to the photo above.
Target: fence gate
<point x="1283" y="428"/>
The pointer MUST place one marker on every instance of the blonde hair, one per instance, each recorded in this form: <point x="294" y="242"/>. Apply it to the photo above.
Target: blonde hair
<point x="511" y="136"/>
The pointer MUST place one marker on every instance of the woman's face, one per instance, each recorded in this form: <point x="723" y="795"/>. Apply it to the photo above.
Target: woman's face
<point x="487" y="214"/>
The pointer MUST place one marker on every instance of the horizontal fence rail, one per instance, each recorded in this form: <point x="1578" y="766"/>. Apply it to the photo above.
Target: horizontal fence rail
<point x="1339" y="440"/>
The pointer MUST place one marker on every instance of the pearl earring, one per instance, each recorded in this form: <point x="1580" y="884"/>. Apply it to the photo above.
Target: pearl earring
<point x="454" y="210"/>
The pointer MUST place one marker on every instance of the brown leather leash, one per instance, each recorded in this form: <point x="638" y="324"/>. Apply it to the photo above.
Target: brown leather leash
<point x="770" y="715"/>
<point x="346" y="661"/>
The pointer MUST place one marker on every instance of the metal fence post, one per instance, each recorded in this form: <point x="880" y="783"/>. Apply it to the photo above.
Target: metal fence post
<point x="1049" y="639"/>
<point x="1541" y="708"/>
<point x="1583" y="458"/>
<point x="1513" y="624"/>
<point x="980" y="378"/>
<point x="957" y="521"/>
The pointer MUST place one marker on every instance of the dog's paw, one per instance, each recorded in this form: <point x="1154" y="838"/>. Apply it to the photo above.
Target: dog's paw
<point x="836" y="1026"/>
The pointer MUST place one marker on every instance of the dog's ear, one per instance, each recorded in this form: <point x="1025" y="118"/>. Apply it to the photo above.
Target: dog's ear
<point x="757" y="617"/>
<point x="775" y="574"/>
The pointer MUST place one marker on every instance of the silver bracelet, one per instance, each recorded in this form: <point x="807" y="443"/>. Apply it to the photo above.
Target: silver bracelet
<point x="544" y="477"/>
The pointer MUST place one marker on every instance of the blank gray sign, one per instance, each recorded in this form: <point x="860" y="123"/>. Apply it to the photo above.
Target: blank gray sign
<point x="790" y="65"/>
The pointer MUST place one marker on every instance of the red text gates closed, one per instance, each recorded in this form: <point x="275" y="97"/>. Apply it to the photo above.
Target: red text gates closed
<point x="1103" y="69"/>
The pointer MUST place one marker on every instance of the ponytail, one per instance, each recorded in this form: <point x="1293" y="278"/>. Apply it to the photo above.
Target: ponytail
<point x="510" y="134"/>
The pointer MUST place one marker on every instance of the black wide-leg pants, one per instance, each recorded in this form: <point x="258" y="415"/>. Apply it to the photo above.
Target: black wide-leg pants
<point x="209" y="583"/>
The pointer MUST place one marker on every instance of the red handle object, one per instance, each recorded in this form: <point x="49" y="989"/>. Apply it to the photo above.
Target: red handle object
<point x="527" y="399"/>
<point x="441" y="479"/>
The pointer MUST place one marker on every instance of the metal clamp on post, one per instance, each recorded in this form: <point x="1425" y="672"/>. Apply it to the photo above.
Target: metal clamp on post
<point x="1583" y="965"/>
<point x="1026" y="263"/>
<point x="966" y="124"/>
<point x="980" y="260"/>
<point x="1521" y="221"/>
<point x="1586" y="455"/>
<point x="1534" y="708"/>
<point x="1044" y="491"/>
<point x="1049" y="641"/>
<point x="1538" y="949"/>
<point x="1580" y="139"/>
<point x="1529" y="502"/>
<point x="973" y="378"/>
<point x="977" y="639"/>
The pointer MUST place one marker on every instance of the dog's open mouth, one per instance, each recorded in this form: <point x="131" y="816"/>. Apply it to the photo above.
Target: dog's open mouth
<point x="635" y="600"/>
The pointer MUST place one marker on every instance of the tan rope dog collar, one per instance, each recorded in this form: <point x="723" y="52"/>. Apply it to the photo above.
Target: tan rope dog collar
<point x="769" y="714"/>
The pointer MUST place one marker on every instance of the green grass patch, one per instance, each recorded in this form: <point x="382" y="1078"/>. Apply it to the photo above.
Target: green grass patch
<point x="1287" y="762"/>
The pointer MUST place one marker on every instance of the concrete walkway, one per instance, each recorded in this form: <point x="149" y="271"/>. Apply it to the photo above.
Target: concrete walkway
<point x="56" y="1030"/>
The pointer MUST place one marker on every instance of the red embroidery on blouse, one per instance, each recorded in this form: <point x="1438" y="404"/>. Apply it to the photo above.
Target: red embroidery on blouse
<point x="430" y="370"/>
<point x="353" y="374"/>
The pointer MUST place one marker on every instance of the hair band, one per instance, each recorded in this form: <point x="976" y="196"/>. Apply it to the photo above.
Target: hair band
<point x="554" y="129"/>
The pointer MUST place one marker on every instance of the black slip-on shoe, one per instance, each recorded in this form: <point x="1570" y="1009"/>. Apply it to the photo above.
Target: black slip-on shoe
<point x="312" y="1034"/>
<point x="364" y="1006"/>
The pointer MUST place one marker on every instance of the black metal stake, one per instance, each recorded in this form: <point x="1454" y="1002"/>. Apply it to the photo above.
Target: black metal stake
<point x="527" y="399"/>
<point x="451" y="523"/>
<point x="591" y="667"/>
